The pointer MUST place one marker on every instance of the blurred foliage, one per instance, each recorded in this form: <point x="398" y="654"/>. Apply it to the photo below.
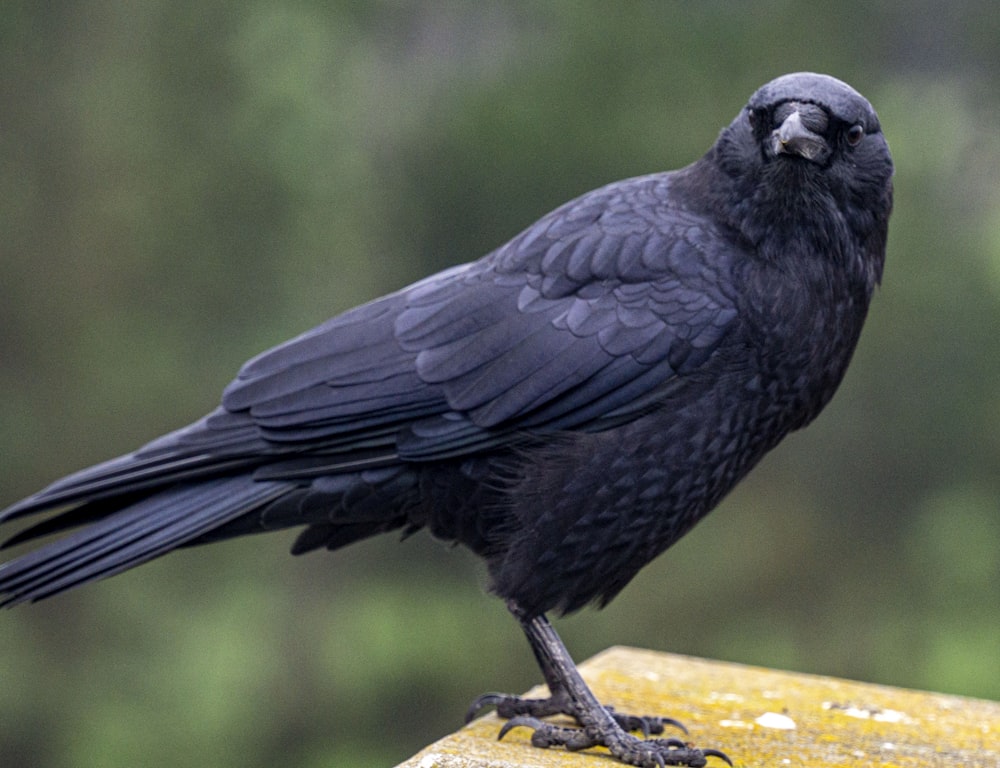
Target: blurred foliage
<point x="184" y="184"/>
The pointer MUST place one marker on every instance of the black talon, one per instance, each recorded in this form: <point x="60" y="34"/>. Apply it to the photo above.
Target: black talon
<point x="519" y="722"/>
<point x="664" y="721"/>
<point x="670" y="743"/>
<point x="716" y="753"/>
<point x="482" y="702"/>
<point x="648" y="725"/>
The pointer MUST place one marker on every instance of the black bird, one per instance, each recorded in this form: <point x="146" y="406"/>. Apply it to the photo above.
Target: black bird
<point x="567" y="407"/>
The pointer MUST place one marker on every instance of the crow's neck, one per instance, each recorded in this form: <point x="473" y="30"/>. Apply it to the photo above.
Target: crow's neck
<point x="782" y="213"/>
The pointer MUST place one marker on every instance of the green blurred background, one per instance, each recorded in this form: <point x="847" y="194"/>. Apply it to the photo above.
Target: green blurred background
<point x="186" y="183"/>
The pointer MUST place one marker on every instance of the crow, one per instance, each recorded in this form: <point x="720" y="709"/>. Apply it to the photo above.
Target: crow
<point x="567" y="407"/>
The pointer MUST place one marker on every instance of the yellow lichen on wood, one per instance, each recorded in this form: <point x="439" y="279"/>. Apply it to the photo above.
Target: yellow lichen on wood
<point x="759" y="717"/>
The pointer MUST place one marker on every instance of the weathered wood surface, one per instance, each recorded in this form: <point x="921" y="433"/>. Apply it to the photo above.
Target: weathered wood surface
<point x="759" y="717"/>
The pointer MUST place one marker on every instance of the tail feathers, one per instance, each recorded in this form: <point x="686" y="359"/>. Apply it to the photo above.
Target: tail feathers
<point x="133" y="535"/>
<point x="129" y="473"/>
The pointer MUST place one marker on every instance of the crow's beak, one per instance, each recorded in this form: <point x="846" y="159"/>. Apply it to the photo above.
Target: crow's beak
<point x="793" y="138"/>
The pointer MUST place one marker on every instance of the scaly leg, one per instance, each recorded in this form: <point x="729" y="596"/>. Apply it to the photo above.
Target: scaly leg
<point x="600" y="726"/>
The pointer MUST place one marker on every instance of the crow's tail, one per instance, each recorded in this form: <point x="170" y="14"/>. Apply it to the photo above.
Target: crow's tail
<point x="135" y="534"/>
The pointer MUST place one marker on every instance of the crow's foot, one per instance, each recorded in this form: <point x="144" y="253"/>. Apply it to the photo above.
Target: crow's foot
<point x="648" y="753"/>
<point x="600" y="726"/>
<point x="559" y="703"/>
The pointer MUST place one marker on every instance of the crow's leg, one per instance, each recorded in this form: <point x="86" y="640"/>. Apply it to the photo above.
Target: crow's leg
<point x="600" y="726"/>
<point x="560" y="701"/>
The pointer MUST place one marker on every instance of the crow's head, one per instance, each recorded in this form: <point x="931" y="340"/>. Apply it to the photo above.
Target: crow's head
<point x="808" y="148"/>
<point x="805" y="118"/>
<point x="810" y="117"/>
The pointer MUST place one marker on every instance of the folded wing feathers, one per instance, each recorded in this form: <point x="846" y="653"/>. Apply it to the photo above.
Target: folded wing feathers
<point x="455" y="363"/>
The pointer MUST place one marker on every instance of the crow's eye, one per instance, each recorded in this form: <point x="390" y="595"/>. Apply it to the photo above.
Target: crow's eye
<point x="855" y="134"/>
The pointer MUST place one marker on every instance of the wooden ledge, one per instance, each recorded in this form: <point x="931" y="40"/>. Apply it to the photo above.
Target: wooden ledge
<point x="759" y="717"/>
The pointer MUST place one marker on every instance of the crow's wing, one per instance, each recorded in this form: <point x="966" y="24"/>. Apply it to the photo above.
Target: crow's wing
<point x="578" y="323"/>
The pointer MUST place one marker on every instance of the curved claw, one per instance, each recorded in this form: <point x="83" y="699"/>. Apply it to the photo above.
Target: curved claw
<point x="521" y="721"/>
<point x="671" y="743"/>
<point x="716" y="753"/>
<point x="482" y="702"/>
<point x="648" y="725"/>
<point x="674" y="723"/>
